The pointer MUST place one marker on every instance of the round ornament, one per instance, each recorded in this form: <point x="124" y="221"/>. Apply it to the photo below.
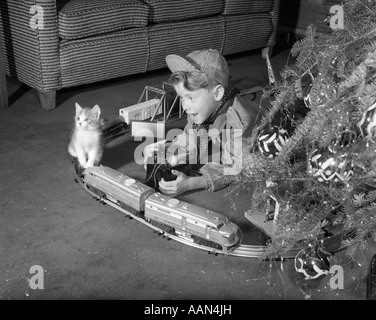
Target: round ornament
<point x="271" y="140"/>
<point x="334" y="67"/>
<point x="345" y="139"/>
<point x="321" y="98"/>
<point x="307" y="82"/>
<point x="324" y="93"/>
<point x="312" y="262"/>
<point x="329" y="166"/>
<point x="367" y="124"/>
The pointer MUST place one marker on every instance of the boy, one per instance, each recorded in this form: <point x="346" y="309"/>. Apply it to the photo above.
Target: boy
<point x="217" y="117"/>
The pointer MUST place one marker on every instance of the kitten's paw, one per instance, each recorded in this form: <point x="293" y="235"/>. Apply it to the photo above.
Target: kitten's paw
<point x="72" y="152"/>
<point x="83" y="165"/>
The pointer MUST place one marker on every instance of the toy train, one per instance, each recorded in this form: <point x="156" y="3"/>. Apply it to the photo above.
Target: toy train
<point x="172" y="216"/>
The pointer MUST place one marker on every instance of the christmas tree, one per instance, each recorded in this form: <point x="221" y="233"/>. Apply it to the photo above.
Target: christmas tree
<point x="319" y="135"/>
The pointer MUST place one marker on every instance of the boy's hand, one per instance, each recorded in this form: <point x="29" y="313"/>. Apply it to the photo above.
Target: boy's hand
<point x="175" y="187"/>
<point x="182" y="184"/>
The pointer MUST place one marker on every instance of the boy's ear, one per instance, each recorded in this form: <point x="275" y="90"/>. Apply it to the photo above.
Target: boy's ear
<point x="219" y="92"/>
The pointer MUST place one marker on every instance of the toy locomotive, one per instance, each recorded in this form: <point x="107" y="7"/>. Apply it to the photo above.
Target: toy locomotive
<point x="172" y="216"/>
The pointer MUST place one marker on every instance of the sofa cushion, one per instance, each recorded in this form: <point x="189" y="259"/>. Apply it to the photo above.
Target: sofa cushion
<point x="84" y="18"/>
<point x="248" y="6"/>
<point x="179" y="10"/>
<point x="107" y="56"/>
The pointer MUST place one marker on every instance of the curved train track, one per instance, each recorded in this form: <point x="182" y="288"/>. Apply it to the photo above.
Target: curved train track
<point x="330" y="244"/>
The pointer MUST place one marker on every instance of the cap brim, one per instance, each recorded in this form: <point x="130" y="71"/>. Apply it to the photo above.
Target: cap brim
<point x="177" y="63"/>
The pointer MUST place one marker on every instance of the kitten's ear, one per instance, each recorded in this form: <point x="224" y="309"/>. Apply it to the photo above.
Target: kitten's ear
<point x="96" y="110"/>
<point x="78" y="108"/>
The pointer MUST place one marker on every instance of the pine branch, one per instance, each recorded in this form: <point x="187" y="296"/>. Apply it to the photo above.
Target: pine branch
<point x="337" y="71"/>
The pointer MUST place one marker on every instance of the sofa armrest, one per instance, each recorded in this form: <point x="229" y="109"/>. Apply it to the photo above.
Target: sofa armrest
<point x="31" y="44"/>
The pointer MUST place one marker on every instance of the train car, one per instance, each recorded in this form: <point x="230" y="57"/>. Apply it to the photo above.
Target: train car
<point x="117" y="187"/>
<point x="204" y="226"/>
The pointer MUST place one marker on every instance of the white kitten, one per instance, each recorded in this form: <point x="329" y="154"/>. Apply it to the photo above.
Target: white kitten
<point x="86" y="142"/>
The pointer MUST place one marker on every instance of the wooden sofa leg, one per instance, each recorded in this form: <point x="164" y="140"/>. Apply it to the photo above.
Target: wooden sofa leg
<point x="267" y="51"/>
<point x="47" y="100"/>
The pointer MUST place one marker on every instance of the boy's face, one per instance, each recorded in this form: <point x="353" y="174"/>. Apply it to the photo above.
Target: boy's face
<point x="198" y="104"/>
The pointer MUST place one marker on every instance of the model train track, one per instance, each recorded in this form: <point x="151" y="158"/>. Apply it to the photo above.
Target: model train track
<point x="330" y="244"/>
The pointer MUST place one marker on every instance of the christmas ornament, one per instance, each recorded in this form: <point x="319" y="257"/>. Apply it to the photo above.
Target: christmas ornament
<point x="367" y="123"/>
<point x="312" y="262"/>
<point x="371" y="280"/>
<point x="328" y="165"/>
<point x="334" y="67"/>
<point x="345" y="140"/>
<point x="271" y="140"/>
<point x="325" y="92"/>
<point x="307" y="81"/>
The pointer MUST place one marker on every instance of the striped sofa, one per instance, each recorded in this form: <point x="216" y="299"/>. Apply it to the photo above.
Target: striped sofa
<point x="55" y="44"/>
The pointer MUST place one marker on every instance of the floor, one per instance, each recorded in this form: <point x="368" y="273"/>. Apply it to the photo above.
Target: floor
<point x="50" y="226"/>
